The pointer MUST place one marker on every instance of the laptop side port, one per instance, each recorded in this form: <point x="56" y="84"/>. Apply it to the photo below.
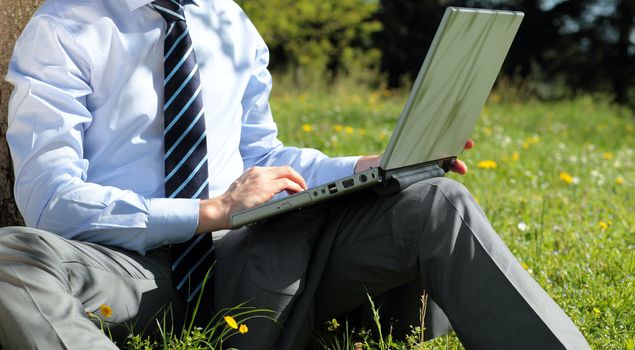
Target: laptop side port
<point x="332" y="188"/>
<point x="348" y="183"/>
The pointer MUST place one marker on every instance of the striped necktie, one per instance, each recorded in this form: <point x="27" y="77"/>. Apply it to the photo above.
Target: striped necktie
<point x="185" y="145"/>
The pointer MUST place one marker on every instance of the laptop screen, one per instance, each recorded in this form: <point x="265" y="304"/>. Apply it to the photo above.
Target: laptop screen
<point x="452" y="87"/>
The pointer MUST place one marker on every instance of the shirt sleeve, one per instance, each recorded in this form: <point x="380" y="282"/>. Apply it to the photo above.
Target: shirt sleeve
<point x="259" y="143"/>
<point x="48" y="116"/>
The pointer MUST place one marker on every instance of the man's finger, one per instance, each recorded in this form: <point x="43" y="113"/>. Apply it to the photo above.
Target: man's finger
<point x="285" y="184"/>
<point x="459" y="167"/>
<point x="288" y="173"/>
<point x="469" y="144"/>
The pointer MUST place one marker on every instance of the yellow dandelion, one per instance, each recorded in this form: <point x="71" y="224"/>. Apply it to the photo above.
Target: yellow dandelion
<point x="603" y="225"/>
<point x="525" y="145"/>
<point x="525" y="266"/>
<point x="231" y="322"/>
<point x="243" y="329"/>
<point x="596" y="311"/>
<point x="349" y="130"/>
<point x="307" y="128"/>
<point x="338" y="127"/>
<point x="566" y="177"/>
<point x="533" y="140"/>
<point x="515" y="156"/>
<point x="619" y="180"/>
<point x="105" y="310"/>
<point x="486" y="164"/>
<point x="607" y="155"/>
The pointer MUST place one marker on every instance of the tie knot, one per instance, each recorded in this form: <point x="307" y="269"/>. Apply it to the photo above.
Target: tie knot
<point x="170" y="10"/>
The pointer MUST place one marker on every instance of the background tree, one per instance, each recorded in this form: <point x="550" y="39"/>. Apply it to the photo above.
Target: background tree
<point x="408" y="29"/>
<point x="562" y="45"/>
<point x="316" y="36"/>
<point x="625" y="72"/>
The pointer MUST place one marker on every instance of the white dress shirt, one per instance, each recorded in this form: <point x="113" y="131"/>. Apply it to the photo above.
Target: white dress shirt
<point x="86" y="119"/>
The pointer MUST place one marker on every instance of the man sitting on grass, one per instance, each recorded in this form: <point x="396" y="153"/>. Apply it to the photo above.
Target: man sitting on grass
<point x="138" y="127"/>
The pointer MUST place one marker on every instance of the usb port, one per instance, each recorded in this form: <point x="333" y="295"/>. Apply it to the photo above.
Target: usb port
<point x="348" y="183"/>
<point x="332" y="188"/>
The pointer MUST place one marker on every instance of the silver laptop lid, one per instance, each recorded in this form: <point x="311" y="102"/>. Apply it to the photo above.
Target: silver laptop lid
<point x="451" y="89"/>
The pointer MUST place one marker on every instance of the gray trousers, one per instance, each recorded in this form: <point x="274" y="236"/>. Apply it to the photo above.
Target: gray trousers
<point x="306" y="267"/>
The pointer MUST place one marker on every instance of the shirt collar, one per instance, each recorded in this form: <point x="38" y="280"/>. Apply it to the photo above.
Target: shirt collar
<point x="135" y="4"/>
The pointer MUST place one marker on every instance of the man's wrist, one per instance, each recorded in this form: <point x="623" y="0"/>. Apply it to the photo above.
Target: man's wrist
<point x="366" y="162"/>
<point x="213" y="215"/>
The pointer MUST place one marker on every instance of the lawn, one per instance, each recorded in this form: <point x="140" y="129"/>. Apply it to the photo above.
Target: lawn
<point x="556" y="179"/>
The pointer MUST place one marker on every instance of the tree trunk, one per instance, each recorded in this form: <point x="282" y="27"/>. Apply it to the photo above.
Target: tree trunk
<point x="14" y="14"/>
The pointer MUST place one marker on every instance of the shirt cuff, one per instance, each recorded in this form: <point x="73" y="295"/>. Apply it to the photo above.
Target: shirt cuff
<point x="171" y="220"/>
<point x="335" y="168"/>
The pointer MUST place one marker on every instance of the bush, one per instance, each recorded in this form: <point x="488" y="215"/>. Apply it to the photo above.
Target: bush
<point x="316" y="37"/>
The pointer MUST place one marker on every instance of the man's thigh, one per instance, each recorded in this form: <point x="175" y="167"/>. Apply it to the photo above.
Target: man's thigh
<point x="333" y="253"/>
<point x="57" y="281"/>
<point x="375" y="253"/>
<point x="372" y="253"/>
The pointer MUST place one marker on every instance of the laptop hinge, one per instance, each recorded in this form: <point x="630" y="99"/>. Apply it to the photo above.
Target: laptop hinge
<point x="396" y="180"/>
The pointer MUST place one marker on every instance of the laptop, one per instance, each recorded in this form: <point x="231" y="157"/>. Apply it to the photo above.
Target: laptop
<point x="445" y="102"/>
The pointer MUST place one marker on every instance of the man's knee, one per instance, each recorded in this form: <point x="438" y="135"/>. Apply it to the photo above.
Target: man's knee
<point x="452" y="190"/>
<point x="27" y="245"/>
<point x="442" y="191"/>
<point x="436" y="209"/>
<point x="23" y="235"/>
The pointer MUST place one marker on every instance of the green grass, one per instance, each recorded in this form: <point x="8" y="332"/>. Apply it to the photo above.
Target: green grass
<point x="562" y="194"/>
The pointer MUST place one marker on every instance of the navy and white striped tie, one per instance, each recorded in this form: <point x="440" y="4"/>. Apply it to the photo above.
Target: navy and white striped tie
<point x="185" y="145"/>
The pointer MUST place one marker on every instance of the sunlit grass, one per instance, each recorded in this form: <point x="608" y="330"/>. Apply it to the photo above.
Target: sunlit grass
<point x="556" y="179"/>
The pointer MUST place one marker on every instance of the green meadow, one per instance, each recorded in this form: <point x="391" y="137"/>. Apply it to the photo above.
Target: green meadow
<point x="556" y="179"/>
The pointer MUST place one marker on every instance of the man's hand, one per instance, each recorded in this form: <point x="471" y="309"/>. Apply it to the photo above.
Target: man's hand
<point x="256" y="186"/>
<point x="458" y="166"/>
<point x="366" y="162"/>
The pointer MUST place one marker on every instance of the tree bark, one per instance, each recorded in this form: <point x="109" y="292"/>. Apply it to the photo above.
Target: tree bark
<point x="14" y="14"/>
